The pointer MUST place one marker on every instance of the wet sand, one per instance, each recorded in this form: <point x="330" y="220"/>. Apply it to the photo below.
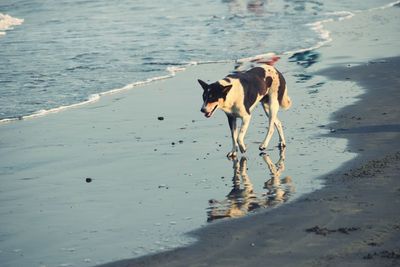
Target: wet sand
<point x="131" y="174"/>
<point x="355" y="219"/>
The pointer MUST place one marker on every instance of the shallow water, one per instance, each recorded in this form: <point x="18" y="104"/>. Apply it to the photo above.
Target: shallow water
<point x="65" y="52"/>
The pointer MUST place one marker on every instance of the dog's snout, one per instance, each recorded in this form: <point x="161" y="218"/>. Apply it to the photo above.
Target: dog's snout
<point x="203" y="109"/>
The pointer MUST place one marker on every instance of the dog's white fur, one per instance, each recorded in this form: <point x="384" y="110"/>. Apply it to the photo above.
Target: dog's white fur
<point x="234" y="107"/>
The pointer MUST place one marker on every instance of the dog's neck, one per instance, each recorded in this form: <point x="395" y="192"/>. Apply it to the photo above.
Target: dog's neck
<point x="233" y="104"/>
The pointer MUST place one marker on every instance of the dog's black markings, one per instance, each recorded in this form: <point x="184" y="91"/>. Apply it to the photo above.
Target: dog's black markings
<point x="268" y="83"/>
<point x="265" y="99"/>
<point x="254" y="84"/>
<point x="282" y="87"/>
<point x="231" y="121"/>
<point x="215" y="91"/>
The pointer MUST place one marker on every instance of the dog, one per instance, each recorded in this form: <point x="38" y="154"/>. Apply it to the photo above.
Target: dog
<point x="237" y="95"/>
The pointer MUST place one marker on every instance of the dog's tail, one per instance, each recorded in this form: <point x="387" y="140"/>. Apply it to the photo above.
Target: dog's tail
<point x="285" y="102"/>
<point x="283" y="98"/>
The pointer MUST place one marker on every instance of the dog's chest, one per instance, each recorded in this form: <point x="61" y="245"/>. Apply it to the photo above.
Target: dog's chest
<point x="234" y="103"/>
<point x="236" y="110"/>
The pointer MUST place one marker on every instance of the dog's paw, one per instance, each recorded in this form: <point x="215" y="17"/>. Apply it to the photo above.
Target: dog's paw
<point x="282" y="145"/>
<point x="231" y="155"/>
<point x="242" y="149"/>
<point x="263" y="153"/>
<point x="262" y="147"/>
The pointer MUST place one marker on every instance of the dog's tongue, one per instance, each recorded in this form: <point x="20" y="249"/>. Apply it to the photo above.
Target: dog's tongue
<point x="209" y="114"/>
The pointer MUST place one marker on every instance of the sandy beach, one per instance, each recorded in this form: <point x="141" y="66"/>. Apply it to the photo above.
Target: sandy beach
<point x="140" y="164"/>
<point x="140" y="177"/>
<point x="354" y="219"/>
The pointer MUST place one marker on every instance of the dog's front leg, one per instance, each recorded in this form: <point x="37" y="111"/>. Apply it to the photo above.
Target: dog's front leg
<point x="234" y="134"/>
<point x="242" y="133"/>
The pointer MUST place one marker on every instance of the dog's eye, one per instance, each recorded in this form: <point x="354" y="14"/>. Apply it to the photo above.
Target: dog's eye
<point x="210" y="95"/>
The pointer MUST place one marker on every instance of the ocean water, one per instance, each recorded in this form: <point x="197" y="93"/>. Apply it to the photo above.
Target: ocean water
<point x="54" y="54"/>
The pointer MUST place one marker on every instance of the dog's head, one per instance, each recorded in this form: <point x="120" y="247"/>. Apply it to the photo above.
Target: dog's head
<point x="214" y="96"/>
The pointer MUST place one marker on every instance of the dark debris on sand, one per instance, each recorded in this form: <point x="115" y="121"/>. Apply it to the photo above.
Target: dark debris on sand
<point x="386" y="254"/>
<point x="372" y="168"/>
<point x="325" y="231"/>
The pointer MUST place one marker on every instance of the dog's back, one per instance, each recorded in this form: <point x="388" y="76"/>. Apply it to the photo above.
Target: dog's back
<point x="263" y="81"/>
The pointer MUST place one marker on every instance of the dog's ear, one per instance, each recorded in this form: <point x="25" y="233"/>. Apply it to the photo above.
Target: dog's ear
<point x="226" y="89"/>
<point x="204" y="85"/>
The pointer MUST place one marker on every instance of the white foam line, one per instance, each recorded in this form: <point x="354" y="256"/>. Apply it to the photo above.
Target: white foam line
<point x="324" y="34"/>
<point x="385" y="6"/>
<point x="215" y="61"/>
<point x="343" y="15"/>
<point x="256" y="57"/>
<point x="317" y="26"/>
<point x="95" y="97"/>
<point x="172" y="70"/>
<point x="7" y="22"/>
<point x="240" y="60"/>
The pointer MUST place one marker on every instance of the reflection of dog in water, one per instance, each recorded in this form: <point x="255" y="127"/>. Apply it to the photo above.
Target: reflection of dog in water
<point x="242" y="198"/>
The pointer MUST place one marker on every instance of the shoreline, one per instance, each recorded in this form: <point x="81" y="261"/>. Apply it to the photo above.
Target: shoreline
<point x="353" y="219"/>
<point x="319" y="27"/>
<point x="340" y="224"/>
<point x="141" y="195"/>
<point x="169" y="72"/>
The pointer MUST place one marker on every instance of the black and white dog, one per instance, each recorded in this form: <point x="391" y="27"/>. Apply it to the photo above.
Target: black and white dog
<point x="237" y="95"/>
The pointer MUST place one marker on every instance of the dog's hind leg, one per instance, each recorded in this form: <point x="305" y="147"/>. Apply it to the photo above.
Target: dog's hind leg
<point x="278" y="125"/>
<point x="273" y="120"/>
<point x="234" y="134"/>
<point x="282" y="141"/>
<point x="242" y="133"/>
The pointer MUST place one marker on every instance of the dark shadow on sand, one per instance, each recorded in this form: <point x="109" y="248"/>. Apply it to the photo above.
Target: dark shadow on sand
<point x="387" y="128"/>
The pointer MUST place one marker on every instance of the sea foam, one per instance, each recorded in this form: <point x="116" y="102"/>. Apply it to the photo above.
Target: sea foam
<point x="321" y="31"/>
<point x="7" y="22"/>
<point x="325" y="34"/>
<point x="172" y="71"/>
